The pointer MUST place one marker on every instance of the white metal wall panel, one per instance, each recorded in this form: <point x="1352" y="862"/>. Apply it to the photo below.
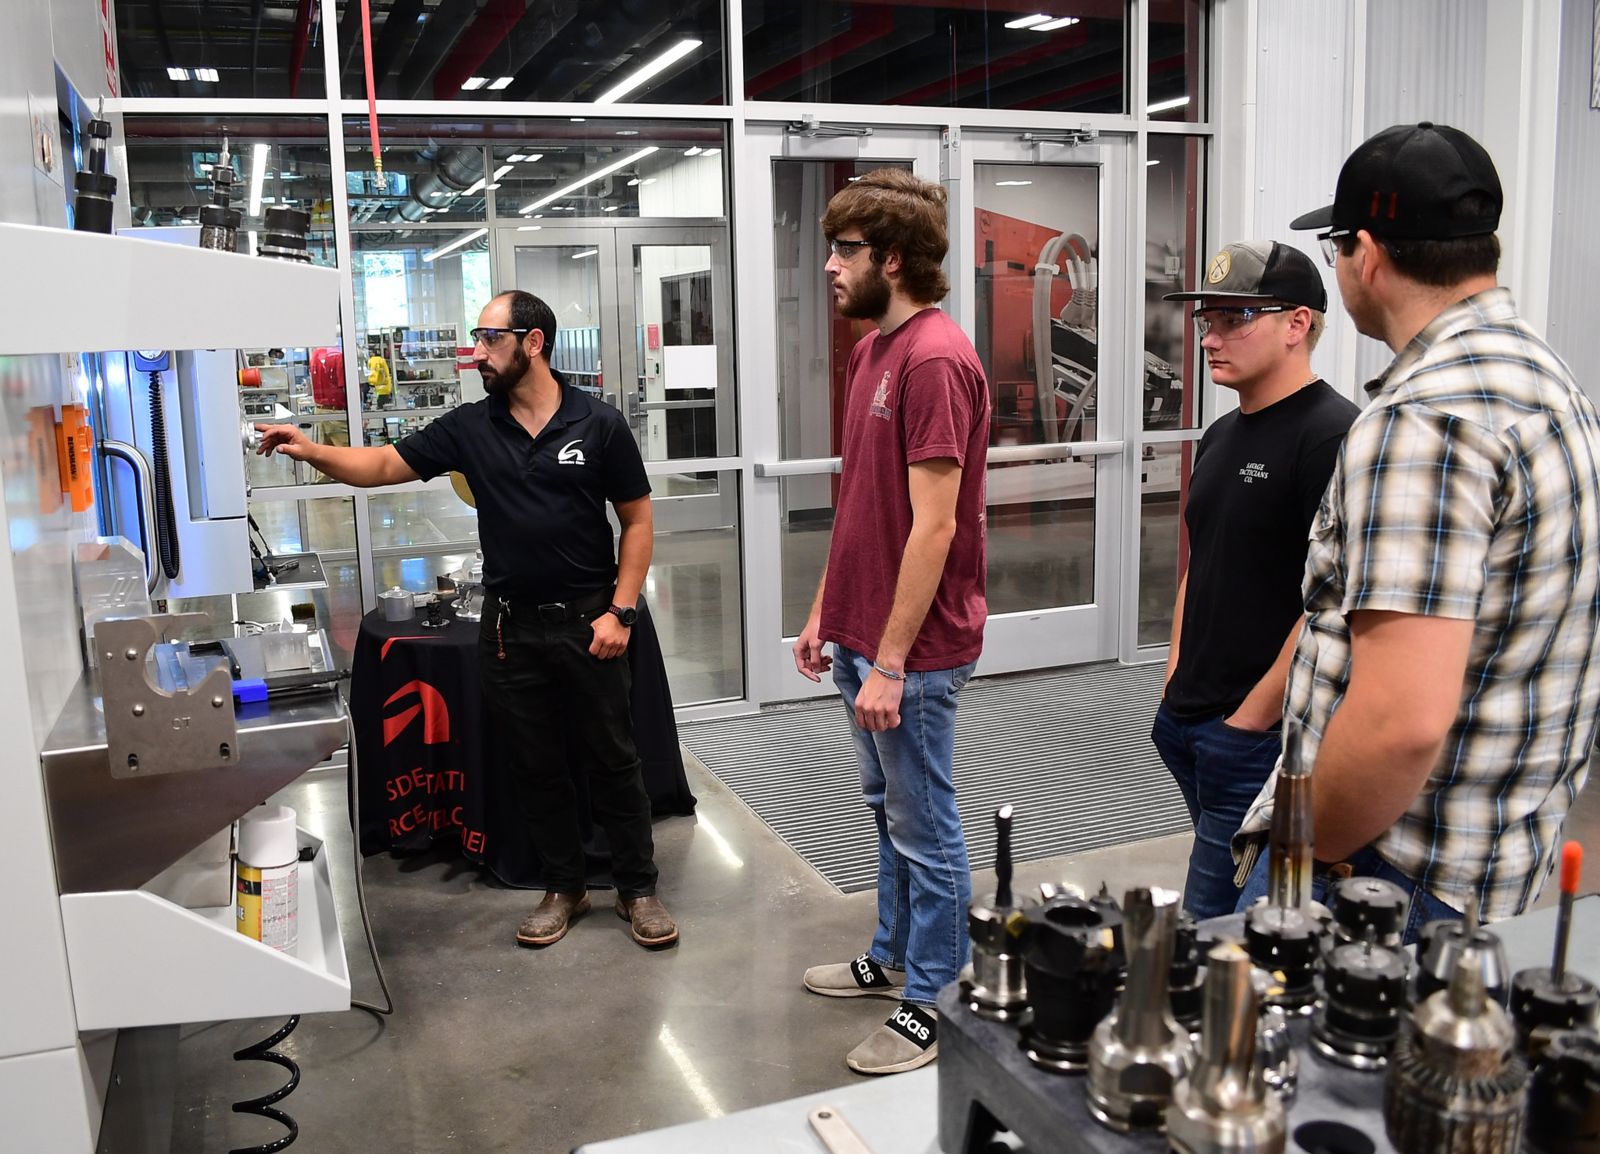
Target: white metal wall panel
<point x="1426" y="60"/>
<point x="43" y="1092"/>
<point x="1304" y="112"/>
<point x="1575" y="257"/>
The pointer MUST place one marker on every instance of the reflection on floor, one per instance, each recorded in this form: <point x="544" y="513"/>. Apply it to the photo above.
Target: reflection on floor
<point x="495" y="1048"/>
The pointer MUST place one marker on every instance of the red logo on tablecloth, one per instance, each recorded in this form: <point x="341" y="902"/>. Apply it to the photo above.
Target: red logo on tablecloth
<point x="429" y="703"/>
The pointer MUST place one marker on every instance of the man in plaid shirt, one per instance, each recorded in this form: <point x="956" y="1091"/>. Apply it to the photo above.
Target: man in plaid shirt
<point x="1444" y="690"/>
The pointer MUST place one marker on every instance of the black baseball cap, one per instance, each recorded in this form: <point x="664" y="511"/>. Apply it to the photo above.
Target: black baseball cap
<point x="1258" y="271"/>
<point x="1406" y="182"/>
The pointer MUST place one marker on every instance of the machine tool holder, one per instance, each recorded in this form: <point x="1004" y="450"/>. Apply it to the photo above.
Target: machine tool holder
<point x="987" y="1085"/>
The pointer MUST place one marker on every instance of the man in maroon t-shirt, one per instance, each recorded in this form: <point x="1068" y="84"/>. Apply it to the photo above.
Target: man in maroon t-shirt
<point x="902" y="597"/>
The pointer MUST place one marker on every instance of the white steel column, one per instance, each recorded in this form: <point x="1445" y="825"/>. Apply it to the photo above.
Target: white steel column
<point x="366" y="574"/>
<point x="1520" y="111"/>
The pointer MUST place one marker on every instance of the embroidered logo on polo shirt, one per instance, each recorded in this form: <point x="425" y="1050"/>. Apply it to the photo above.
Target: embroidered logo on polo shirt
<point x="880" y="399"/>
<point x="570" y="454"/>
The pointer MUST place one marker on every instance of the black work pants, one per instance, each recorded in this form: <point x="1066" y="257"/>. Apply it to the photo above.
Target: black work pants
<point x="549" y="700"/>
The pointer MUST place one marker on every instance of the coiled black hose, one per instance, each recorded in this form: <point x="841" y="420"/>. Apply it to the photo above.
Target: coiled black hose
<point x="166" y="517"/>
<point x="262" y="1107"/>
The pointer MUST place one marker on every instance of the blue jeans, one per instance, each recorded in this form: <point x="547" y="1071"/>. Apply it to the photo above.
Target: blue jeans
<point x="1219" y="770"/>
<point x="1363" y="863"/>
<point x="924" y="881"/>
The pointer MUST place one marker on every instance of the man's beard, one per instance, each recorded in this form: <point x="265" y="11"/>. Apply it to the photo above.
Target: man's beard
<point x="496" y="382"/>
<point x="869" y="300"/>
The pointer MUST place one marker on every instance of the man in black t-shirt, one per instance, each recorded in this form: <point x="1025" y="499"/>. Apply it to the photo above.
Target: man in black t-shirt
<point x="1259" y="475"/>
<point x="543" y="461"/>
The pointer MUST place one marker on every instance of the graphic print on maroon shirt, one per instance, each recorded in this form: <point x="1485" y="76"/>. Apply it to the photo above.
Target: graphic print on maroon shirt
<point x="915" y="395"/>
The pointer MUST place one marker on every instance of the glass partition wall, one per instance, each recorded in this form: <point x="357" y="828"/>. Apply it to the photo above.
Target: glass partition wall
<point x="679" y="247"/>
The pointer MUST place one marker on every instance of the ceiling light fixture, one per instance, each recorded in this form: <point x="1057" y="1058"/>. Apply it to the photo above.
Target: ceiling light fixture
<point x="713" y="152"/>
<point x="695" y="151"/>
<point x="177" y="74"/>
<point x="529" y="227"/>
<point x="516" y="158"/>
<point x="1011" y="183"/>
<point x="1167" y="105"/>
<point x="592" y="177"/>
<point x="475" y="186"/>
<point x="1063" y="22"/>
<point x="657" y="66"/>
<point x="611" y="208"/>
<point x="500" y="82"/>
<point x="501" y="171"/>
<point x="1151" y="163"/>
<point x="585" y="253"/>
<point x="473" y="83"/>
<point x="206" y="75"/>
<point x="258" y="176"/>
<point x="1029" y="21"/>
<point x="455" y="244"/>
<point x="627" y="132"/>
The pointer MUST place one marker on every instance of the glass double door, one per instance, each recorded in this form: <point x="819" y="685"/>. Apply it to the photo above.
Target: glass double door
<point x="1037" y="268"/>
<point x="644" y="320"/>
<point x="644" y="317"/>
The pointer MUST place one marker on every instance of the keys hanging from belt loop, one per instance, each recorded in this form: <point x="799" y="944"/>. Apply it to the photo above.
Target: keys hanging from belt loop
<point x="499" y="630"/>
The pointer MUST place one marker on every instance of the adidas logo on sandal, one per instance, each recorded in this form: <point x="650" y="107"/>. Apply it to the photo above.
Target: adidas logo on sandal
<point x="914" y="1023"/>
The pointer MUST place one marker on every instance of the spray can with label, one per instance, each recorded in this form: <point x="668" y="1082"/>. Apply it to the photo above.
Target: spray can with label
<point x="268" y="884"/>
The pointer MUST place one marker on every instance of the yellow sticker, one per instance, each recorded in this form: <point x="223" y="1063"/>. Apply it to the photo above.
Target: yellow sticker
<point x="1221" y="266"/>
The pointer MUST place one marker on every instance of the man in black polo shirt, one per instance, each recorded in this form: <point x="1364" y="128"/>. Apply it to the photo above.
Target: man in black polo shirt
<point x="543" y="459"/>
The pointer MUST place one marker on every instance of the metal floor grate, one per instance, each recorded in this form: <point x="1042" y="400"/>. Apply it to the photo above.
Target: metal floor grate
<point x="1069" y="748"/>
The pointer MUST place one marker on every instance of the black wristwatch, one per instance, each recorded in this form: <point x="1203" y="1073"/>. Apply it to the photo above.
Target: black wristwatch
<point x="625" y="615"/>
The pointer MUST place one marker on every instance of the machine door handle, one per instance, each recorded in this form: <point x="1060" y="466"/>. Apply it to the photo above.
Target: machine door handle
<point x="144" y="477"/>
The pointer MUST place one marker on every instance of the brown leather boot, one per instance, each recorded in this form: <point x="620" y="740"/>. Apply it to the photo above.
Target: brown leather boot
<point x="651" y="924"/>
<point x="551" y="918"/>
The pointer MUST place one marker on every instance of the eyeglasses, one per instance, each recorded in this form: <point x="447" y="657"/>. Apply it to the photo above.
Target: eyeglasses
<point x="1330" y="244"/>
<point x="487" y="336"/>
<point x="1232" y="324"/>
<point x="847" y="249"/>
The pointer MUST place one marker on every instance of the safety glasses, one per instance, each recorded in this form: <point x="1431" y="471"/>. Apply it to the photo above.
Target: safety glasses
<point x="488" y="338"/>
<point x="1230" y="324"/>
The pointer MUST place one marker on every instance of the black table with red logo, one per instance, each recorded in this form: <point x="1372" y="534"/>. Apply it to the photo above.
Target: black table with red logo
<point x="427" y="763"/>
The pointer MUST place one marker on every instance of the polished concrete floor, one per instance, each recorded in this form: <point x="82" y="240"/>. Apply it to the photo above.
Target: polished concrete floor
<point x="496" y="1048"/>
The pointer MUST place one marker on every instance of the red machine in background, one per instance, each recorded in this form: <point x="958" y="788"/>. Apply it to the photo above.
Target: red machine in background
<point x="327" y="378"/>
<point x="1010" y="295"/>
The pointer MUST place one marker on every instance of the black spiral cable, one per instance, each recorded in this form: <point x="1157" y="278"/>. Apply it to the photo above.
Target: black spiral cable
<point x="262" y="1107"/>
<point x="166" y="517"/>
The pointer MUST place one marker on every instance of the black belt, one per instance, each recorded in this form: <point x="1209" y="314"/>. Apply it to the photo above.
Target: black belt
<point x="556" y="612"/>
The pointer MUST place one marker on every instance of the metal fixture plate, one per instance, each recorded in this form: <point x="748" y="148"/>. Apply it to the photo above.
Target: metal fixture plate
<point x="151" y="730"/>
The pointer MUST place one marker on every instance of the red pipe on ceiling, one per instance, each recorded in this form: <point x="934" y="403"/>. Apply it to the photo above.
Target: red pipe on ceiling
<point x="302" y="37"/>
<point x="476" y="45"/>
<point x="864" y="30"/>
